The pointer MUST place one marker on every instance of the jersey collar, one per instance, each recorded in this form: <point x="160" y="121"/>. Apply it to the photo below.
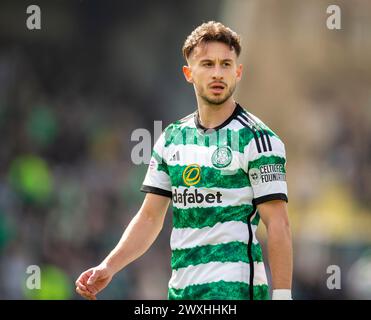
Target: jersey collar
<point x="203" y="129"/>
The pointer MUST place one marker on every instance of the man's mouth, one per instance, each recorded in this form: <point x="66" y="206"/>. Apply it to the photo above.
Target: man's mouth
<point x="217" y="87"/>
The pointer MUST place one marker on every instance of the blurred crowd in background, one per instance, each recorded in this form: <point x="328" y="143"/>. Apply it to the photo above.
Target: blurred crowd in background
<point x="72" y="93"/>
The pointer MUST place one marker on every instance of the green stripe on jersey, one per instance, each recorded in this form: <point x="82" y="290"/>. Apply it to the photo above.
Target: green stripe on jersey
<point x="211" y="178"/>
<point x="256" y="219"/>
<point x="263" y="160"/>
<point x="210" y="216"/>
<point x="161" y="163"/>
<point x="220" y="290"/>
<point x="225" y="252"/>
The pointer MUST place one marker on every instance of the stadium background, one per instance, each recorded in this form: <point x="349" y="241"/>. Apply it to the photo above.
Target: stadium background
<point x="72" y="93"/>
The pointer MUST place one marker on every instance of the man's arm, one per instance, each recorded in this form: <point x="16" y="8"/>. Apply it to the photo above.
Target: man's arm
<point x="140" y="234"/>
<point x="274" y="215"/>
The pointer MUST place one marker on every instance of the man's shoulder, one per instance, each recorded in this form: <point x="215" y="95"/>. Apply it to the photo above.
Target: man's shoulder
<point x="253" y="123"/>
<point x="185" y="122"/>
<point x="259" y="139"/>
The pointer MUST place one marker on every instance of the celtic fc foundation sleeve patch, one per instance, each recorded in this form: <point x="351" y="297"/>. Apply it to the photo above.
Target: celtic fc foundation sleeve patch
<point x="266" y="165"/>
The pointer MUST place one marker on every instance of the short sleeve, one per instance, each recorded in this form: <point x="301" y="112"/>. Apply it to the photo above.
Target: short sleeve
<point x="267" y="169"/>
<point x="157" y="179"/>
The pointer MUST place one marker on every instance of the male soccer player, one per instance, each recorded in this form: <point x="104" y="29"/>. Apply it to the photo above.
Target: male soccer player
<point x="224" y="170"/>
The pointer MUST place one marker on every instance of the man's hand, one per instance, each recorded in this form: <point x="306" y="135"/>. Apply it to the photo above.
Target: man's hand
<point x="139" y="235"/>
<point x="93" y="280"/>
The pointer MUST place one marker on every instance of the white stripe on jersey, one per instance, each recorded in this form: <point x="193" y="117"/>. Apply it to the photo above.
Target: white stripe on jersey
<point x="191" y="153"/>
<point x="159" y="180"/>
<point x="268" y="188"/>
<point x="217" y="271"/>
<point x="278" y="149"/>
<point x="183" y="238"/>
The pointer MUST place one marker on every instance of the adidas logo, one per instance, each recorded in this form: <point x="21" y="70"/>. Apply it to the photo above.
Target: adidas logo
<point x="175" y="156"/>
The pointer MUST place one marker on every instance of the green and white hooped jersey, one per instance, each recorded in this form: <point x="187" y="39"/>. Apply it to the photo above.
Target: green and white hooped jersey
<point x="216" y="178"/>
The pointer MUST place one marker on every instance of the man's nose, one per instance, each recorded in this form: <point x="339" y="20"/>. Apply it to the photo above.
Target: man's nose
<point x="217" y="73"/>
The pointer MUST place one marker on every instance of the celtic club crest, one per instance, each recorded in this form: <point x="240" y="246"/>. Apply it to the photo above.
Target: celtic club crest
<point x="222" y="157"/>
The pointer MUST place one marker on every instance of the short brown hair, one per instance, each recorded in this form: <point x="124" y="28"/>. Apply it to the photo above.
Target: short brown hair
<point x="211" y="31"/>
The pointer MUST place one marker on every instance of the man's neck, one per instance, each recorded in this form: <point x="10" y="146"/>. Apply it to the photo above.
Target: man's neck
<point x="211" y="116"/>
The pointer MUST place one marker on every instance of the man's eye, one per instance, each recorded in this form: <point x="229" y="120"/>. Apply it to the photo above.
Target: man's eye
<point x="207" y="64"/>
<point x="226" y="64"/>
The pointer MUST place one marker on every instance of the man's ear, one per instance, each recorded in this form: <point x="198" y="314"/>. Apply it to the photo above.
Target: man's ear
<point x="187" y="71"/>
<point x="239" y="72"/>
